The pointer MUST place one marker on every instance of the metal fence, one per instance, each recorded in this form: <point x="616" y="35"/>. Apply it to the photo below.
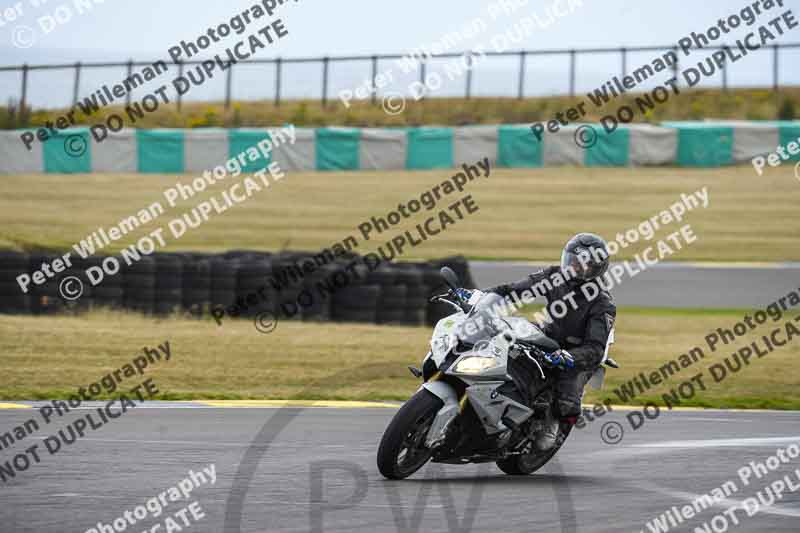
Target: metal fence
<point x="328" y="62"/>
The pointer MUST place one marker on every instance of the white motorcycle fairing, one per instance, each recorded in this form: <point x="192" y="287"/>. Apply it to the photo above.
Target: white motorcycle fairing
<point x="490" y="405"/>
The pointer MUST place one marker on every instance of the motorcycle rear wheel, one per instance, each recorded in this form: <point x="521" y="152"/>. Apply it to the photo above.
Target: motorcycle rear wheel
<point x="402" y="450"/>
<point x="528" y="463"/>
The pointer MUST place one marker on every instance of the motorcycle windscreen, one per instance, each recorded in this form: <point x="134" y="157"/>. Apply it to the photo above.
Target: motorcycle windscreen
<point x="485" y="321"/>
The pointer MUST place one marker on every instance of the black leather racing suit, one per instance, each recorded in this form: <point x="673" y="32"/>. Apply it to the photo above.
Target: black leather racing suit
<point x="583" y="331"/>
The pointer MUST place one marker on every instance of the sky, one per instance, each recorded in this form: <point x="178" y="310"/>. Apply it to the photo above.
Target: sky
<point x="115" y="30"/>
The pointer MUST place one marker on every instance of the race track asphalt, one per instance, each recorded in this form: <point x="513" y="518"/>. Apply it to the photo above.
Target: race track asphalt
<point x="676" y="285"/>
<point x="313" y="469"/>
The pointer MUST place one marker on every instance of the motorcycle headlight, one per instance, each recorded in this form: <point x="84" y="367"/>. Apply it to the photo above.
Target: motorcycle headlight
<point x="474" y="365"/>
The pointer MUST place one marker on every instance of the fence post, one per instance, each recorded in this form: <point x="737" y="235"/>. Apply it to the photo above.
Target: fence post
<point x="521" y="87"/>
<point x="278" y="82"/>
<point x="725" y="69"/>
<point x="76" y="87"/>
<point x="228" y="80"/>
<point x="130" y="73"/>
<point x="572" y="72"/>
<point x="180" y="96"/>
<point x="325" y="61"/>
<point x="374" y="75"/>
<point x="775" y="67"/>
<point x="422" y="66"/>
<point x="23" y="100"/>
<point x="676" y="67"/>
<point x="469" y="78"/>
<point x="624" y="52"/>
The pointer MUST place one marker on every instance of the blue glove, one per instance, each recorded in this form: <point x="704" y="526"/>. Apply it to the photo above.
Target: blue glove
<point x="464" y="294"/>
<point x="560" y="359"/>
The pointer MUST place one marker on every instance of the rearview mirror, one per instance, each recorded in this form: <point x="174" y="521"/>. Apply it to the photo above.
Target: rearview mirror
<point x="450" y="277"/>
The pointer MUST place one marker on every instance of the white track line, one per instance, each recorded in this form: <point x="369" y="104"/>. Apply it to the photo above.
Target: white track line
<point x="720" y="443"/>
<point x="705" y="419"/>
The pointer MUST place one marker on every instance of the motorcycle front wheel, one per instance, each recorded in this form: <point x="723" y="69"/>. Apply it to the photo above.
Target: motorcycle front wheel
<point x="528" y="463"/>
<point x="402" y="450"/>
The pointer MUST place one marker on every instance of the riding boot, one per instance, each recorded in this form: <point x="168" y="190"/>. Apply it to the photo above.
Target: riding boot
<point x="547" y="437"/>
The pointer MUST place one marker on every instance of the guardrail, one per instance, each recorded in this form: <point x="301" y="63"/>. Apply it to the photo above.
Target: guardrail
<point x="327" y="64"/>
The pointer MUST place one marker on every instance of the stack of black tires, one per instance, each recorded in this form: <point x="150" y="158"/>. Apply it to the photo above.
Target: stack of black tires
<point x="12" y="299"/>
<point x="289" y="284"/>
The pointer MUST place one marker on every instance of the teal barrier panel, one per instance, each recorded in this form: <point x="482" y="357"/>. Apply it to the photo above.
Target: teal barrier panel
<point x="160" y="151"/>
<point x="790" y="132"/>
<point x="246" y="141"/>
<point x="68" y="152"/>
<point x="337" y="148"/>
<point x="704" y="146"/>
<point x="610" y="149"/>
<point x="700" y="144"/>
<point x="429" y="148"/>
<point x="517" y="146"/>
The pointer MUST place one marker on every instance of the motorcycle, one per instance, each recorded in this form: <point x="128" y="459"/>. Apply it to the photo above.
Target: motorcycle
<point x="487" y="390"/>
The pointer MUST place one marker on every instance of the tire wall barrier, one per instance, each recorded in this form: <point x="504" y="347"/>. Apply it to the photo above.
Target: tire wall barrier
<point x="243" y="283"/>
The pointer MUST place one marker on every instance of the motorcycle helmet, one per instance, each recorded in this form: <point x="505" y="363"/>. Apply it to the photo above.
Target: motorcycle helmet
<point x="585" y="257"/>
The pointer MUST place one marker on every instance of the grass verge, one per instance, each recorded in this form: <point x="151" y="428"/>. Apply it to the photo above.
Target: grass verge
<point x="700" y="104"/>
<point x="51" y="357"/>
<point x="523" y="214"/>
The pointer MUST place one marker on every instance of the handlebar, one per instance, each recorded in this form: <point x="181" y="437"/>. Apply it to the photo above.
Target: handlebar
<point x="437" y="297"/>
<point x="534" y="353"/>
<point x="450" y="298"/>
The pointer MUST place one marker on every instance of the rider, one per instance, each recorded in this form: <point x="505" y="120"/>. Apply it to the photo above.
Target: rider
<point x="584" y="332"/>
